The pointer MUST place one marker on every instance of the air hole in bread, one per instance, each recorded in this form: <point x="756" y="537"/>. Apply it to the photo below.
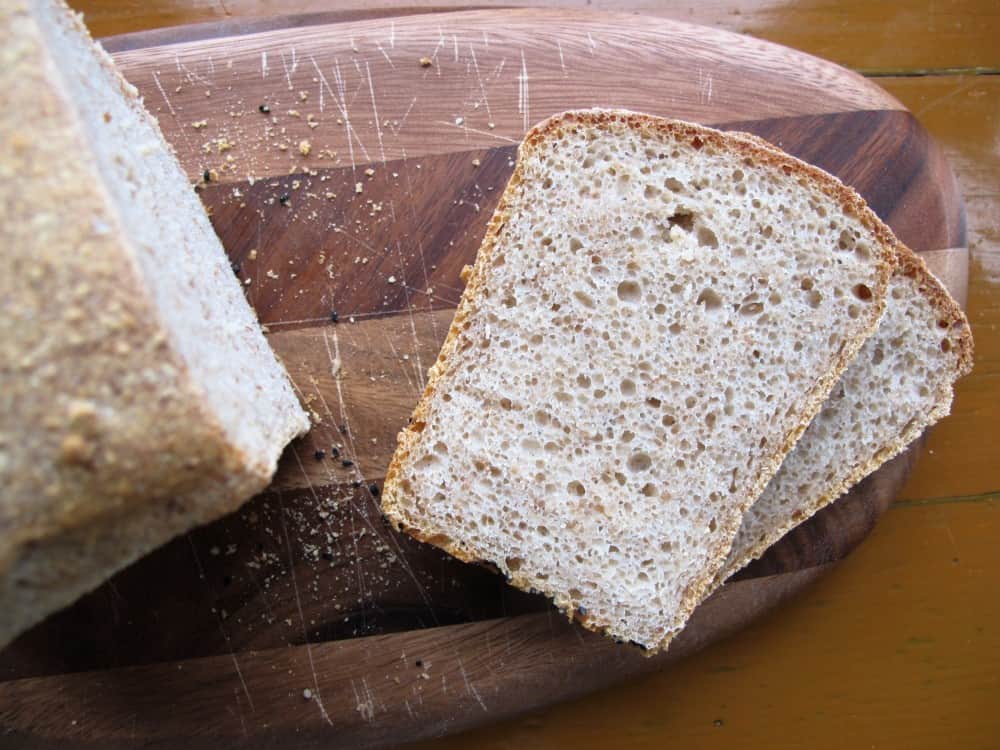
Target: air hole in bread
<point x="627" y="387"/>
<point x="576" y="488"/>
<point x="845" y="241"/>
<point x="630" y="292"/>
<point x="575" y="244"/>
<point x="585" y="299"/>
<point x="639" y="462"/>
<point x="673" y="184"/>
<point x="682" y="219"/>
<point x="862" y="292"/>
<point x="710" y="299"/>
<point x="707" y="238"/>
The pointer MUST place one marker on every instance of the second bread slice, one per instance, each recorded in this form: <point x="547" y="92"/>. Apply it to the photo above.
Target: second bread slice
<point x="657" y="311"/>
<point x="898" y="385"/>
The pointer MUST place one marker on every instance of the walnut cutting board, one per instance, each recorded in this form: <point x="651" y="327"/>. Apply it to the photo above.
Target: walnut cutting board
<point x="363" y="188"/>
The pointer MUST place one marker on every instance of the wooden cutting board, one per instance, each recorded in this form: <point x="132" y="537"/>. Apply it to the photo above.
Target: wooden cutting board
<point x="352" y="165"/>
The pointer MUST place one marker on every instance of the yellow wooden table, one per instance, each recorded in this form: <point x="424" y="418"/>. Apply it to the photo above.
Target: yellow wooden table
<point x="899" y="646"/>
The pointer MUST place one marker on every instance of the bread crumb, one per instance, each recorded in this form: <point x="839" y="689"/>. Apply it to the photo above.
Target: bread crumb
<point x="369" y="172"/>
<point x="76" y="450"/>
<point x="392" y="279"/>
<point x="303" y="95"/>
<point x="199" y="124"/>
<point x="459" y="120"/>
<point x="426" y="62"/>
<point x="358" y="187"/>
<point x="223" y="144"/>
<point x="476" y="162"/>
<point x="307" y="694"/>
<point x="294" y="113"/>
<point x="305" y="147"/>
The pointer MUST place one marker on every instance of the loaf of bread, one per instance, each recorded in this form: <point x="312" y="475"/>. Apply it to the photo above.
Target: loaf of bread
<point x="899" y="384"/>
<point x="138" y="396"/>
<point x="656" y="313"/>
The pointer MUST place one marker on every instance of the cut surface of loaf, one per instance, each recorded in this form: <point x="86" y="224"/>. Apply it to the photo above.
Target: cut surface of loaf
<point x="138" y="396"/>
<point x="655" y="314"/>
<point x="899" y="384"/>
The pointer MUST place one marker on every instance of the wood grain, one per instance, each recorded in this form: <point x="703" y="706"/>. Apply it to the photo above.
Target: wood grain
<point x="364" y="692"/>
<point x="368" y="75"/>
<point x="912" y="35"/>
<point x="304" y="570"/>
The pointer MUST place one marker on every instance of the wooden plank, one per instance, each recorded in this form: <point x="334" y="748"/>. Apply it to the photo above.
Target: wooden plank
<point x="961" y="33"/>
<point x="895" y="649"/>
<point x="363" y="692"/>
<point x="963" y="114"/>
<point x="358" y="94"/>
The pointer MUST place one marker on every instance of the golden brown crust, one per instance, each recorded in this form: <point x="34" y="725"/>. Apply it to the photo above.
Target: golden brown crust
<point x="741" y="147"/>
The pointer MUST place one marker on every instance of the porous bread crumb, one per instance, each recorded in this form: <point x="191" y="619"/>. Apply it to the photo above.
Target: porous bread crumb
<point x="304" y="147"/>
<point x="667" y="327"/>
<point x="426" y="62"/>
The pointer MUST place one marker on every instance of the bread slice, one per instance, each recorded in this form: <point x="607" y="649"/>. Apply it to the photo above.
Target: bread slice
<point x="900" y="383"/>
<point x="138" y="396"/>
<point x="656" y="312"/>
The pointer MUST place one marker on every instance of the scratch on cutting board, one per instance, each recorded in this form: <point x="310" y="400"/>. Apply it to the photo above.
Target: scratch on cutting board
<point x="395" y="356"/>
<point x="468" y="685"/>
<point x="402" y="120"/>
<point x="322" y="82"/>
<point x="593" y="44"/>
<point x="482" y="86"/>
<point x="427" y="287"/>
<point x="163" y="93"/>
<point x="378" y="125"/>
<point x="392" y="34"/>
<point x="523" y="96"/>
<point x="189" y="74"/>
<point x="454" y="40"/>
<point x="317" y="696"/>
<point x="341" y="99"/>
<point x="408" y="709"/>
<point x="562" y="60"/>
<point x="385" y="54"/>
<point x="222" y="629"/>
<point x="289" y="70"/>
<point x="465" y="127"/>
<point x="434" y="55"/>
<point x="364" y="707"/>
<point x="409" y="310"/>
<point x="239" y="711"/>
<point x="334" y="356"/>
<point x="704" y="87"/>
<point x="263" y="64"/>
